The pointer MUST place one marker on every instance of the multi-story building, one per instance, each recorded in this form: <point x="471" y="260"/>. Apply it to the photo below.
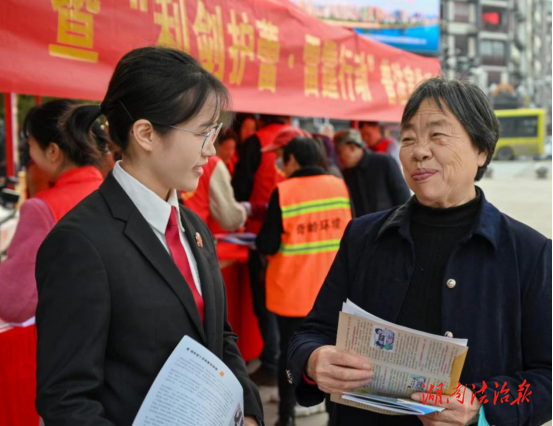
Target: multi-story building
<point x="459" y="36"/>
<point x="548" y="72"/>
<point x="537" y="76"/>
<point x="504" y="45"/>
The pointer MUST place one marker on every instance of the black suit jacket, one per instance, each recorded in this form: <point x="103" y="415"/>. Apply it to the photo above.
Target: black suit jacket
<point x="112" y="307"/>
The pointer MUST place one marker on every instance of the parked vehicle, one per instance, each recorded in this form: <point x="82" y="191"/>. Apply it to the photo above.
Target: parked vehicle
<point x="522" y="133"/>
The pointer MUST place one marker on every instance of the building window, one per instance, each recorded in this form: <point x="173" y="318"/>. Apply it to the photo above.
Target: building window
<point x="461" y="45"/>
<point x="462" y="12"/>
<point x="494" y="77"/>
<point x="494" y="19"/>
<point x="493" y="52"/>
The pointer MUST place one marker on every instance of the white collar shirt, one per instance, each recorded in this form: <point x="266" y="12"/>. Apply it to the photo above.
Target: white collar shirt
<point x="156" y="211"/>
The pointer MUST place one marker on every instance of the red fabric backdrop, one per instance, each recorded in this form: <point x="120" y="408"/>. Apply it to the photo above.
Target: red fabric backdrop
<point x="273" y="56"/>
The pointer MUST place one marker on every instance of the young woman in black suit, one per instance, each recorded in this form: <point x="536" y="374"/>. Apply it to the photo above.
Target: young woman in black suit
<point x="128" y="272"/>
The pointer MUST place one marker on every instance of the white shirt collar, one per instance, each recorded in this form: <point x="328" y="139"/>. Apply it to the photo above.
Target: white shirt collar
<point x="155" y="210"/>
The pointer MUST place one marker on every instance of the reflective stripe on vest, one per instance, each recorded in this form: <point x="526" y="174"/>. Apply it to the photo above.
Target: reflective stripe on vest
<point x="315" y="212"/>
<point x="307" y="248"/>
<point x="315" y="206"/>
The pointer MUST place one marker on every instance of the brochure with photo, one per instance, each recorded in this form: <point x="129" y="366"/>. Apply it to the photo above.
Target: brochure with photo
<point x="404" y="361"/>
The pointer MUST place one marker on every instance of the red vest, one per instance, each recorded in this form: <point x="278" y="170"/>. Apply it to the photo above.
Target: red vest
<point x="382" y="145"/>
<point x="70" y="189"/>
<point x="230" y="165"/>
<point x="198" y="200"/>
<point x="267" y="175"/>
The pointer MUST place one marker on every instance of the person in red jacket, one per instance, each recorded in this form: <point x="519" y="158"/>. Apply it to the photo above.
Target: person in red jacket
<point x="72" y="168"/>
<point x="371" y="133"/>
<point x="226" y="150"/>
<point x="255" y="177"/>
<point x="245" y="125"/>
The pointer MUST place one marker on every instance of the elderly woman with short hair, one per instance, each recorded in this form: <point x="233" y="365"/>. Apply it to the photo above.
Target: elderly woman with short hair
<point x="447" y="262"/>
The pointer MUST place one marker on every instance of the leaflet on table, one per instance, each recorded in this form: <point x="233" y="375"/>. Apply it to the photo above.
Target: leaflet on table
<point x="27" y="323"/>
<point x="241" y="239"/>
<point x="5" y="326"/>
<point x="404" y="360"/>
<point x="194" y="387"/>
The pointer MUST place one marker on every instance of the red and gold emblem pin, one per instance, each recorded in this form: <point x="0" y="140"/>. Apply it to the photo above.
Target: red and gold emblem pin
<point x="199" y="240"/>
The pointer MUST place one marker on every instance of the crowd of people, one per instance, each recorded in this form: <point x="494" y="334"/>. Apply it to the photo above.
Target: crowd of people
<point x="114" y="251"/>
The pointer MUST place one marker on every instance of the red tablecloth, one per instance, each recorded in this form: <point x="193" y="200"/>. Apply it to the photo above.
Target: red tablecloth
<point x="18" y="345"/>
<point x="234" y="267"/>
<point x="17" y="377"/>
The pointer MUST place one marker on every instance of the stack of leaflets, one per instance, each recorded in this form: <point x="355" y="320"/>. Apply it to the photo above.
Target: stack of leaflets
<point x="241" y="239"/>
<point x="404" y="361"/>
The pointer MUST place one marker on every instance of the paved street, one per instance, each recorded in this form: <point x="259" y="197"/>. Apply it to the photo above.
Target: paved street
<point x="513" y="189"/>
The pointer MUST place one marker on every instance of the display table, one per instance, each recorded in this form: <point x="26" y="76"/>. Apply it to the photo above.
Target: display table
<point x="18" y="344"/>
<point x="234" y="266"/>
<point x="17" y="376"/>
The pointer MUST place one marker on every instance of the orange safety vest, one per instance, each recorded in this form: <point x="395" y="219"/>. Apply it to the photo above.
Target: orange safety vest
<point x="70" y="189"/>
<point x="315" y="212"/>
<point x="267" y="175"/>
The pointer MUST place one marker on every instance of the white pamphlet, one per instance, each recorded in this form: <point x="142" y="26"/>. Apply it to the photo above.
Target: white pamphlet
<point x="194" y="387"/>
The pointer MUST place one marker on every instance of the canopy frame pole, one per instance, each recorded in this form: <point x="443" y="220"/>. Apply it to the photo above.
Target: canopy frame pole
<point x="10" y="121"/>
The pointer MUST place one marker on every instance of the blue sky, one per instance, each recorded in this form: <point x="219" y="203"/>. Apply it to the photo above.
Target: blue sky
<point x="426" y="7"/>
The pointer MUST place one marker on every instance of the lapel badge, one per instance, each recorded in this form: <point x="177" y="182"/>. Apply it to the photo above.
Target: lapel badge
<point x="289" y="376"/>
<point x="199" y="240"/>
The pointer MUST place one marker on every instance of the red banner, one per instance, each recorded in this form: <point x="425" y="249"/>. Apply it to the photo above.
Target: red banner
<point x="273" y="56"/>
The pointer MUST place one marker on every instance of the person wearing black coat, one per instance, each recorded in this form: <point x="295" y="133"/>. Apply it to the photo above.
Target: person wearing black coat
<point x="129" y="272"/>
<point x="374" y="180"/>
<point x="446" y="262"/>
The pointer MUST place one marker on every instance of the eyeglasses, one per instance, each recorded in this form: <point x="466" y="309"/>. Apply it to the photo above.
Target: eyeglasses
<point x="210" y="136"/>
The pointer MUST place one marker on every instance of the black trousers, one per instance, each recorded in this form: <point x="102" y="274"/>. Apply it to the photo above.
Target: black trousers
<point x="257" y="266"/>
<point x="287" y="326"/>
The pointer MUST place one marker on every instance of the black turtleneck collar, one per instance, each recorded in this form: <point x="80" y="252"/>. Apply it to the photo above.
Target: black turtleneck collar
<point x="435" y="234"/>
<point x="452" y="216"/>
